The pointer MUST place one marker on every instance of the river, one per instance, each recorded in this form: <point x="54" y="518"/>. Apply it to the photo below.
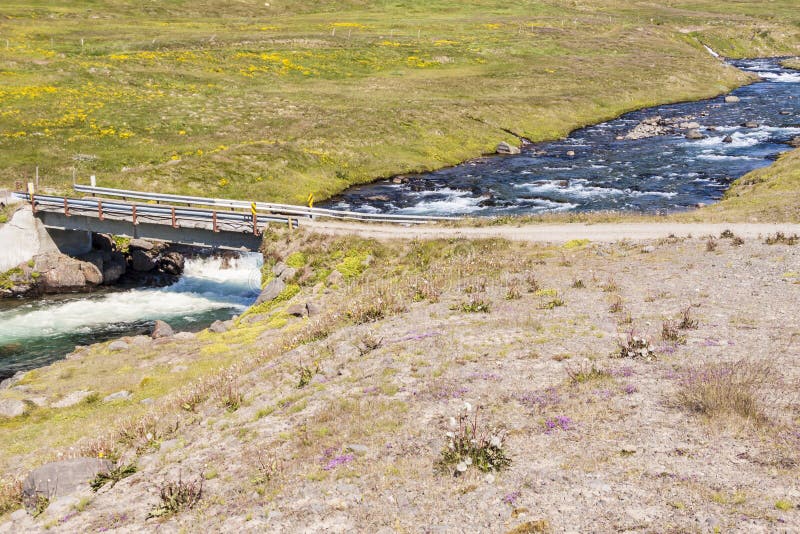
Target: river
<point x="654" y="175"/>
<point x="34" y="333"/>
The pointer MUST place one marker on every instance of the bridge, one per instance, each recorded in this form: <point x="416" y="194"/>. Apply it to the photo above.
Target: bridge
<point x="197" y="221"/>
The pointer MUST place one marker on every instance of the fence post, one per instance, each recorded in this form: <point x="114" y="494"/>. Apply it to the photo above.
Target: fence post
<point x="66" y="207"/>
<point x="100" y="209"/>
<point x="214" y="220"/>
<point x="133" y="207"/>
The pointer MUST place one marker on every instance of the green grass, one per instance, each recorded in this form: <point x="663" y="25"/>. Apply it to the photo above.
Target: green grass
<point x="248" y="101"/>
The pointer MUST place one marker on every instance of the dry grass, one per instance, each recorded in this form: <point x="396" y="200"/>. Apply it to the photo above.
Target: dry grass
<point x="724" y="390"/>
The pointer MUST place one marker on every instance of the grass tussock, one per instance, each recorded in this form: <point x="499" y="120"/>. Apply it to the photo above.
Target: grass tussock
<point x="720" y="391"/>
<point x="177" y="496"/>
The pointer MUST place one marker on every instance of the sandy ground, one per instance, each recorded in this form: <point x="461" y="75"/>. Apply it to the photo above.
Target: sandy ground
<point x="355" y="450"/>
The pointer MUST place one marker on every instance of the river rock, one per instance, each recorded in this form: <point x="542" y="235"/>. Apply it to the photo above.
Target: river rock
<point x="58" y="479"/>
<point x="162" y="329"/>
<point x="141" y="261"/>
<point x="690" y="125"/>
<point x="272" y="290"/>
<point x="298" y="310"/>
<point x="72" y="399"/>
<point x="728" y="139"/>
<point x="288" y="273"/>
<point x="103" y="242"/>
<point x="750" y="124"/>
<point x="172" y="263"/>
<point x="185" y="336"/>
<point x="313" y="309"/>
<point x="140" y="244"/>
<point x="11" y="408"/>
<point x="507" y="149"/>
<point x="114" y="268"/>
<point x="694" y="134"/>
<point x="119" y="345"/>
<point x="795" y="142"/>
<point x="119" y="395"/>
<point x="731" y="99"/>
<point x="218" y="327"/>
<point x="378" y="198"/>
<point x="60" y="273"/>
<point x="278" y="268"/>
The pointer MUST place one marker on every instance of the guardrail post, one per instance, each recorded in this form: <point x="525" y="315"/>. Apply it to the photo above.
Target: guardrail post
<point x="255" y="225"/>
<point x="100" y="209"/>
<point x="33" y="203"/>
<point x="214" y="220"/>
<point x="66" y="207"/>
<point x="135" y="222"/>
<point x="174" y="222"/>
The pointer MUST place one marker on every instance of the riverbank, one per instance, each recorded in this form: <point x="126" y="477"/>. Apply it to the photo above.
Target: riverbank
<point x="527" y="333"/>
<point x="315" y="101"/>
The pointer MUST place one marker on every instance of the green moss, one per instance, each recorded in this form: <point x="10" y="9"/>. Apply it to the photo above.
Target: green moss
<point x="353" y="264"/>
<point x="296" y="260"/>
<point x="784" y="505"/>
<point x="287" y="294"/>
<point x="6" y="281"/>
<point x="122" y="243"/>
<point x="576" y="243"/>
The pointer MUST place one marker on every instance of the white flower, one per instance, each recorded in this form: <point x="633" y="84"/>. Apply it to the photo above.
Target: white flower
<point x="496" y="441"/>
<point x="461" y="467"/>
<point x="453" y="422"/>
<point x="467" y="407"/>
<point x="490" y="478"/>
<point x="450" y="435"/>
<point x="149" y="436"/>
<point x="468" y="460"/>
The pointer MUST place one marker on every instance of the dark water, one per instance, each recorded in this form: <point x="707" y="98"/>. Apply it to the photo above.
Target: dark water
<point x="658" y="174"/>
<point x="34" y="333"/>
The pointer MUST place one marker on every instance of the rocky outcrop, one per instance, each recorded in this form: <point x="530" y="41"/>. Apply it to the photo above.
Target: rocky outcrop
<point x="171" y="263"/>
<point x="795" y="142"/>
<point x="271" y="291"/>
<point x="58" y="479"/>
<point x="162" y="329"/>
<point x="731" y="99"/>
<point x="10" y="408"/>
<point x="658" y="125"/>
<point x="59" y="273"/>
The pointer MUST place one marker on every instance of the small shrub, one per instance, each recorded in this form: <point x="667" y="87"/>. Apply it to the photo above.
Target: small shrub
<point x="306" y="374"/>
<point x="472" y="445"/>
<point x="177" y="497"/>
<point x="726" y="234"/>
<point x="532" y="283"/>
<point x="473" y="305"/>
<point x="687" y="322"/>
<point x="39" y="505"/>
<point x="513" y="292"/>
<point x="737" y="241"/>
<point x="631" y="346"/>
<point x="268" y="466"/>
<point x="368" y="343"/>
<point x="10" y="495"/>
<point x="617" y="305"/>
<point x="578" y="284"/>
<point x="115" y="475"/>
<point x="671" y="332"/>
<point x="587" y="372"/>
<point x="551" y="304"/>
<point x="374" y="306"/>
<point x="781" y="239"/>
<point x="711" y="245"/>
<point x="231" y="395"/>
<point x="783" y="505"/>
<point x="610" y="286"/>
<point x="727" y="389"/>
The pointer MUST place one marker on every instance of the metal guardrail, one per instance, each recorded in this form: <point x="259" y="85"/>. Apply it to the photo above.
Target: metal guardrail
<point x="161" y="214"/>
<point x="275" y="209"/>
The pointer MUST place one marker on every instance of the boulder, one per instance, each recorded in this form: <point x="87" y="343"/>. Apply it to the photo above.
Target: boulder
<point x="313" y="309"/>
<point x="795" y="142"/>
<point x="140" y="244"/>
<point x="335" y="278"/>
<point x="570" y="153"/>
<point x="58" y="479"/>
<point x="141" y="261"/>
<point x="185" y="336"/>
<point x="119" y="395"/>
<point x="114" y="268"/>
<point x="288" y="273"/>
<point x="162" y="329"/>
<point x="59" y="273"/>
<point x="694" y="134"/>
<point x="11" y="408"/>
<point x="171" y="263"/>
<point x="750" y="124"/>
<point x="72" y="399"/>
<point x="731" y="99"/>
<point x="103" y="242"/>
<point x="507" y="149"/>
<point x="272" y="290"/>
<point x="690" y="125"/>
<point x="378" y="198"/>
<point x="728" y="139"/>
<point x="278" y="268"/>
<point x="218" y="327"/>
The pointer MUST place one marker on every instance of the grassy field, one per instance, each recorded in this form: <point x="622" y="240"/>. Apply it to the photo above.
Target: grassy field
<point x="245" y="100"/>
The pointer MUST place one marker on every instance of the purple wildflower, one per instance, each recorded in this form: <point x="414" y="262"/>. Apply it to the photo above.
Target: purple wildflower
<point x="541" y="399"/>
<point x="511" y="498"/>
<point x="630" y="389"/>
<point x="339" y="460"/>
<point x="560" y="422"/>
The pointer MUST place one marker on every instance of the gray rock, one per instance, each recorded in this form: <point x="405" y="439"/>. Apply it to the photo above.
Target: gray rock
<point x="357" y="449"/>
<point x="58" y="479"/>
<point x="162" y="329"/>
<point x="570" y="153"/>
<point x="219" y="327"/>
<point x="272" y="290"/>
<point x="72" y="399"/>
<point x="727" y="139"/>
<point x="140" y="244"/>
<point x="505" y="148"/>
<point x="103" y="242"/>
<point x="119" y="395"/>
<point x="172" y="263"/>
<point x="690" y="125"/>
<point x="694" y="134"/>
<point x="731" y="99"/>
<point x="278" y="268"/>
<point x="795" y="142"/>
<point x="313" y="309"/>
<point x="750" y="124"/>
<point x="335" y="279"/>
<point x="139" y="341"/>
<point x="118" y="345"/>
<point x="141" y="261"/>
<point x="648" y="249"/>
<point x="114" y="268"/>
<point x="11" y="408"/>
<point x="60" y="273"/>
<point x="287" y="274"/>
<point x="298" y="310"/>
